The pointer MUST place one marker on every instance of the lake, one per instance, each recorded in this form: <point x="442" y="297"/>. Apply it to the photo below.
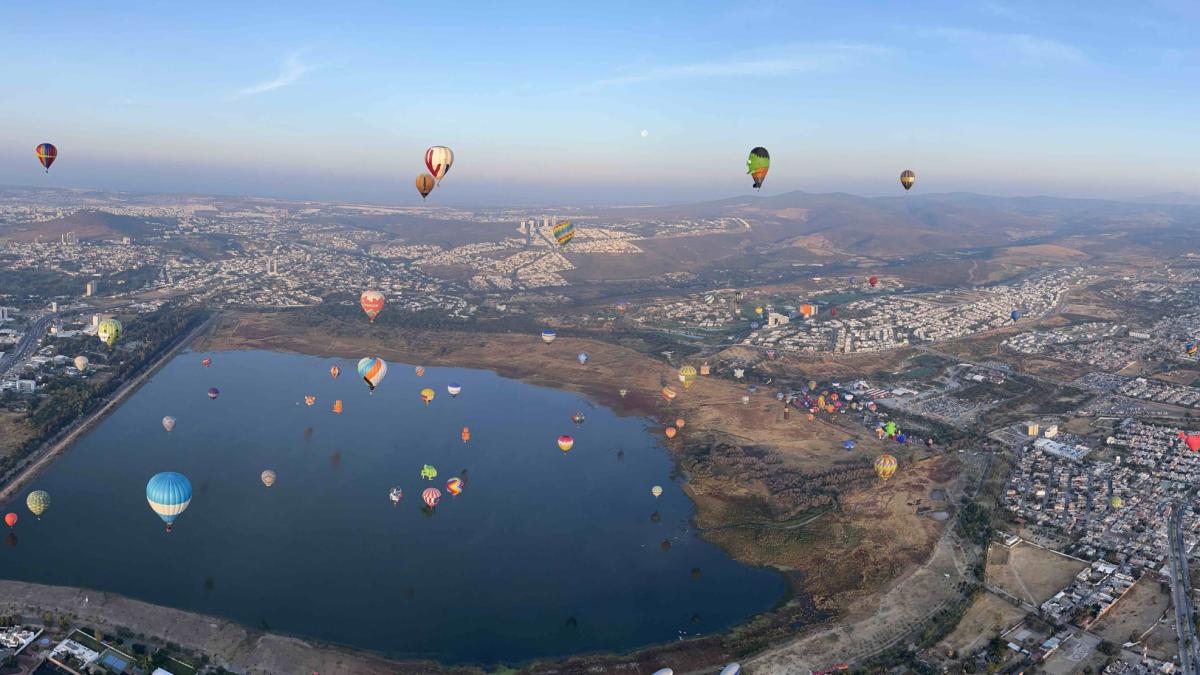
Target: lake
<point x="542" y="554"/>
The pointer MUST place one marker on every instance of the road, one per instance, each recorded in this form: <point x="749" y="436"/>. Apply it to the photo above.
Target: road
<point x="1181" y="595"/>
<point x="27" y="344"/>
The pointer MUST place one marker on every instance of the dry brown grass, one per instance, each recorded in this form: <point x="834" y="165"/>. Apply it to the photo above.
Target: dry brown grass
<point x="1031" y="573"/>
<point x="986" y="618"/>
<point x="1136" y="612"/>
<point x="13" y="431"/>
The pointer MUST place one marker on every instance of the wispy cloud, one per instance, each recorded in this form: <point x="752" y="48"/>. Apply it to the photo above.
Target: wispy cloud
<point x="1021" y="48"/>
<point x="795" y="59"/>
<point x="292" y="70"/>
<point x="1000" y="9"/>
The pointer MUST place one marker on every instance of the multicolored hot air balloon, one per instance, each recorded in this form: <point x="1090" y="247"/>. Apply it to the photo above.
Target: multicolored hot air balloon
<point x="372" y="370"/>
<point x="578" y="418"/>
<point x="81" y="363"/>
<point x="565" y="443"/>
<point x="454" y="389"/>
<point x="466" y="434"/>
<point x="656" y="491"/>
<point x="46" y="154"/>
<point x="10" y="519"/>
<point x="428" y="472"/>
<point x="395" y="494"/>
<point x="454" y="486"/>
<point x="268" y="477"/>
<point x="757" y="165"/>
<point x="334" y="371"/>
<point x="425" y="185"/>
<point x="371" y="303"/>
<point x="705" y="369"/>
<point x="213" y="393"/>
<point x="548" y="335"/>
<point x="1191" y="347"/>
<point x="564" y="232"/>
<point x="168" y="423"/>
<point x="431" y="497"/>
<point x="206" y="361"/>
<point x="427" y="395"/>
<point x="169" y="494"/>
<point x="310" y="400"/>
<point x="885" y="466"/>
<point x="907" y="178"/>
<point x="37" y="502"/>
<point x="109" y="330"/>
<point x="438" y="160"/>
<point x="420" y="371"/>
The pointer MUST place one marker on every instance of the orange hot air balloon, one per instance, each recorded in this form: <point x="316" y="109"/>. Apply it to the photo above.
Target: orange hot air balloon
<point x="679" y="422"/>
<point x="811" y="417"/>
<point x="466" y="434"/>
<point x="705" y="369"/>
<point x="671" y="431"/>
<point x="806" y="310"/>
<point x="668" y="393"/>
<point x="424" y="185"/>
<point x="337" y="406"/>
<point x="371" y="303"/>
<point x="334" y="371"/>
<point x="10" y="520"/>
<point x="309" y="400"/>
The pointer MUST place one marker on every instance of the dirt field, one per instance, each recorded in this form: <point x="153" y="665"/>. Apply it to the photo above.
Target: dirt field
<point x="987" y="617"/>
<point x="1139" y="611"/>
<point x="1030" y="573"/>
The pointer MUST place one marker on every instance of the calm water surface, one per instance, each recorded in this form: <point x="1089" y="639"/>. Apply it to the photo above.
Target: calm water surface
<point x="542" y="554"/>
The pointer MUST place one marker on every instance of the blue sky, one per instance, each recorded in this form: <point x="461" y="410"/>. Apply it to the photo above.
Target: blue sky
<point x="544" y="102"/>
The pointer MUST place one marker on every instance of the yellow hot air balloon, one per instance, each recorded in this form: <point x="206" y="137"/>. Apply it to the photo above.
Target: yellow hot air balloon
<point x="671" y="431"/>
<point x="109" y="330"/>
<point x="427" y="395"/>
<point x="687" y="375"/>
<point x="885" y="466"/>
<point x="656" y="490"/>
<point x="679" y="422"/>
<point x="38" y="501"/>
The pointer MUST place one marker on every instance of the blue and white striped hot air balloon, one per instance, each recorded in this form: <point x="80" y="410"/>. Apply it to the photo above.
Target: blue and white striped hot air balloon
<point x="372" y="369"/>
<point x="548" y="335"/>
<point x="454" y="388"/>
<point x="169" y="494"/>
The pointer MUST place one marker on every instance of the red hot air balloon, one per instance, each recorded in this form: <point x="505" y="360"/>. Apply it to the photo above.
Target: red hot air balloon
<point x="46" y="154"/>
<point x="10" y="520"/>
<point x="833" y="312"/>
<point x="1192" y="440"/>
<point x="874" y="281"/>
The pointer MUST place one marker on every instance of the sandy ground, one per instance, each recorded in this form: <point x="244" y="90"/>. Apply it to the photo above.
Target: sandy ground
<point x="987" y="617"/>
<point x="1030" y="573"/>
<point x="1138" y="616"/>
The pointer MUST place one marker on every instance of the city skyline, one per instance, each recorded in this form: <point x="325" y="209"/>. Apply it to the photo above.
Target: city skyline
<point x="547" y="104"/>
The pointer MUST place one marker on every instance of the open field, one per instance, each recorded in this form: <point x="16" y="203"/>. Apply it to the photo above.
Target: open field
<point x="1139" y="611"/>
<point x="1030" y="573"/>
<point x="13" y="431"/>
<point x="987" y="617"/>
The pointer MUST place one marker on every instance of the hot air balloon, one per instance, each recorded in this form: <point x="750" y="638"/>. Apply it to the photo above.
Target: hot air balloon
<point x="309" y="400"/>
<point x="885" y="466"/>
<point x="109" y="330"/>
<point x="745" y="400"/>
<point x="454" y="389"/>
<point x="81" y="363"/>
<point x="623" y="392"/>
<point x="901" y="438"/>
<point x="656" y="491"/>
<point x="668" y="393"/>
<point x="871" y="406"/>
<point x="169" y="494"/>
<point x="424" y="185"/>
<point x="1015" y="315"/>
<point x="431" y="497"/>
<point x="565" y="443"/>
<point x="622" y="307"/>
<point x="10" y="520"/>
<point x="334" y="371"/>
<point x="679" y="422"/>
<point x="929" y="442"/>
<point x="372" y="370"/>
<point x="564" y="232"/>
<point x="739" y="373"/>
<point x="454" y="486"/>
<point x="731" y="669"/>
<point x="37" y="502"/>
<point x="1117" y="502"/>
<point x="168" y="423"/>
<point x="548" y="335"/>
<point x="848" y="444"/>
<point x="687" y="375"/>
<point x="907" y="178"/>
<point x="874" y="281"/>
<point x="758" y="311"/>
<point x="890" y="428"/>
<point x="371" y="303"/>
<point x="705" y="369"/>
<point x="671" y="431"/>
<point x="213" y="393"/>
<point x="46" y="154"/>
<point x="206" y="361"/>
<point x="807" y="310"/>
<point x="268" y="478"/>
<point x="1190" y="348"/>
<point x="466" y="434"/>
<point x="578" y="418"/>
<point x="395" y="494"/>
<point x="757" y="165"/>
<point x="1192" y="440"/>
<point x="428" y="472"/>
<point x="337" y="406"/>
<point x="833" y="312"/>
<point x="438" y="160"/>
<point x="427" y="395"/>
<point x="583" y="358"/>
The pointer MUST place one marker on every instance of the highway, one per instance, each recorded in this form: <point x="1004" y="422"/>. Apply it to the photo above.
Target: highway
<point x="1181" y="596"/>
<point x="27" y="344"/>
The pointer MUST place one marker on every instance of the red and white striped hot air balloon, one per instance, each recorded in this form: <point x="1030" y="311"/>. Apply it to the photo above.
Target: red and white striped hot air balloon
<point x="371" y="303"/>
<point x="438" y="160"/>
<point x="431" y="497"/>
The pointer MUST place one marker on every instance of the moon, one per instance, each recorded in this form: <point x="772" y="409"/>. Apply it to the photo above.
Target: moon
<point x="645" y="133"/>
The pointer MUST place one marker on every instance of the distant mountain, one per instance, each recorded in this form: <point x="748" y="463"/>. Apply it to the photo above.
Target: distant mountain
<point x="86" y="224"/>
<point x="1170" y="198"/>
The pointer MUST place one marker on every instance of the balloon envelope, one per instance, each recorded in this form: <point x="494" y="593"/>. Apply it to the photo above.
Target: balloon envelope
<point x="268" y="477"/>
<point x="907" y="178"/>
<point x="438" y="160"/>
<point x="372" y="370"/>
<point x="169" y="494"/>
<point x="46" y="154"/>
<point x="37" y="502"/>
<point x="109" y="330"/>
<point x="431" y="496"/>
<point x="424" y="185"/>
<point x="565" y="443"/>
<point x="371" y="303"/>
<point x="454" y="389"/>
<point x="168" y="423"/>
<point x="757" y="165"/>
<point x="81" y="363"/>
<point x="885" y="466"/>
<point x="10" y="519"/>
<point x="548" y="335"/>
<point x="213" y="393"/>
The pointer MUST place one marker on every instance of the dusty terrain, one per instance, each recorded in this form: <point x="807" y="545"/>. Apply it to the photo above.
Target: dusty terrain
<point x="13" y="431"/>
<point x="987" y="617"/>
<point x="1142" y="614"/>
<point x="1030" y="573"/>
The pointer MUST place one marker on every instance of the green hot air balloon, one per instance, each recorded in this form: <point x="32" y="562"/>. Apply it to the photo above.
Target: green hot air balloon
<point x="38" y="501"/>
<point x="108" y="331"/>
<point x="757" y="165"/>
